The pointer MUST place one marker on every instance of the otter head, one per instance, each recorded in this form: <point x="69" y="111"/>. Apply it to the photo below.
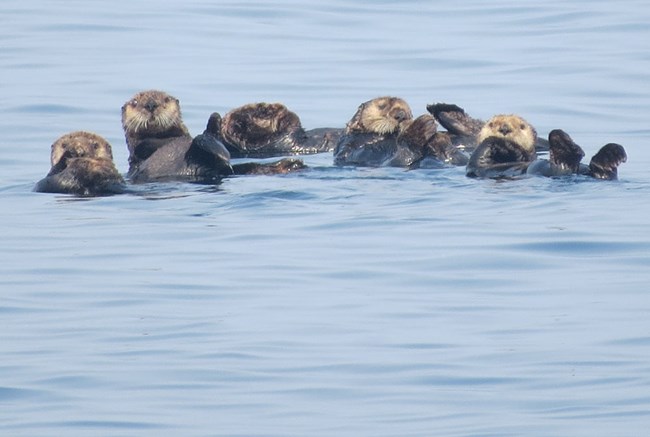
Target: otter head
<point x="151" y="113"/>
<point x="510" y="127"/>
<point x="80" y="144"/>
<point x="382" y="115"/>
<point x="258" y="123"/>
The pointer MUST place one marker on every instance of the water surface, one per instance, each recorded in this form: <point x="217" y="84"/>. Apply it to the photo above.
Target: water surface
<point x="337" y="301"/>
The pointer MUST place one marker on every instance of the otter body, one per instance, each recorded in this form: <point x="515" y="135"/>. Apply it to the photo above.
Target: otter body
<point x="383" y="133"/>
<point x="262" y="130"/>
<point x="370" y="138"/>
<point x="82" y="164"/>
<point x="161" y="147"/>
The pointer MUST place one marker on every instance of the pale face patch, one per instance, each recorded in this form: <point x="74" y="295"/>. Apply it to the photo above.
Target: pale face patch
<point x="382" y="115"/>
<point x="151" y="112"/>
<point x="511" y="127"/>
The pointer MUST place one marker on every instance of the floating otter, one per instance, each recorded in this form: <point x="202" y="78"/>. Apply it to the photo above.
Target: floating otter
<point x="82" y="164"/>
<point x="210" y="138"/>
<point x="370" y="137"/>
<point x="383" y="133"/>
<point x="161" y="147"/>
<point x="565" y="156"/>
<point x="506" y="148"/>
<point x="464" y="130"/>
<point x="262" y="130"/>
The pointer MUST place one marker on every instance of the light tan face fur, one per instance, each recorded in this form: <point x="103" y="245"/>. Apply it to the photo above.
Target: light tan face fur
<point x="151" y="111"/>
<point x="511" y="127"/>
<point x="382" y="115"/>
<point x="81" y="144"/>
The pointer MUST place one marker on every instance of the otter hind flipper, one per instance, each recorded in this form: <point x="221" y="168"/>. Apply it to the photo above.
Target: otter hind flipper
<point x="454" y="119"/>
<point x="604" y="164"/>
<point x="208" y="150"/>
<point x="564" y="153"/>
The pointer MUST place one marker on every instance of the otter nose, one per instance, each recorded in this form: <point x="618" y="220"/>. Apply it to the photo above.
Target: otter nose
<point x="400" y="115"/>
<point x="77" y="151"/>
<point x="505" y="129"/>
<point x="151" y="105"/>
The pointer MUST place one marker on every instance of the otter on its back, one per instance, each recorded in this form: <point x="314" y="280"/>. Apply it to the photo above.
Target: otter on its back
<point x="370" y="137"/>
<point x="506" y="147"/>
<point x="160" y="146"/>
<point x="270" y="129"/>
<point x="82" y="164"/>
<point x="258" y="128"/>
<point x="151" y="119"/>
<point x="510" y="127"/>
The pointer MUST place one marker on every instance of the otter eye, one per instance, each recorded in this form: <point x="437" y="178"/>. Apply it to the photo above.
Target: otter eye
<point x="64" y="145"/>
<point x="95" y="146"/>
<point x="134" y="102"/>
<point x="491" y="124"/>
<point x="167" y="99"/>
<point x="381" y="106"/>
<point x="522" y="126"/>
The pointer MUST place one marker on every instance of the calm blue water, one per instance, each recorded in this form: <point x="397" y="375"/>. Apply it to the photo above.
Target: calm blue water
<point x="336" y="302"/>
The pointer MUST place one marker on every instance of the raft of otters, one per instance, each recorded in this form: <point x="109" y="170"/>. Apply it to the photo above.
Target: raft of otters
<point x="382" y="132"/>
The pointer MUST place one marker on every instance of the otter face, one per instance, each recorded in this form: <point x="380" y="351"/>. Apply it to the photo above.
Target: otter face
<point x="510" y="127"/>
<point x="80" y="145"/>
<point x="151" y="112"/>
<point x="382" y="115"/>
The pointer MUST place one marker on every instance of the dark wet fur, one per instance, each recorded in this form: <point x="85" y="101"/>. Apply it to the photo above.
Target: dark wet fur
<point x="565" y="158"/>
<point x="244" y="137"/>
<point x="498" y="158"/>
<point x="419" y="141"/>
<point x="604" y="164"/>
<point x="82" y="176"/>
<point x="563" y="151"/>
<point x="283" y="166"/>
<point x="367" y="149"/>
<point x="203" y="159"/>
<point x="455" y="120"/>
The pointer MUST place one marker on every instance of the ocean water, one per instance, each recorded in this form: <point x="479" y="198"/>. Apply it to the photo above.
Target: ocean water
<point x="338" y="301"/>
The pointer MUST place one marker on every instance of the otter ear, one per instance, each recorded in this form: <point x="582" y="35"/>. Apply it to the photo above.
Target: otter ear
<point x="355" y="122"/>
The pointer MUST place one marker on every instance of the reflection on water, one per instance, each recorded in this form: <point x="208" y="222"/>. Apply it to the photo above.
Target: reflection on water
<point x="338" y="301"/>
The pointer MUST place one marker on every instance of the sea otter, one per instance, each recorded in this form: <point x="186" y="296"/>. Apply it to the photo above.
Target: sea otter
<point x="464" y="130"/>
<point x="506" y="148"/>
<point x="383" y="133"/>
<point x="161" y="147"/>
<point x="82" y="164"/>
<point x="210" y="138"/>
<point x="262" y="130"/>
<point x="565" y="156"/>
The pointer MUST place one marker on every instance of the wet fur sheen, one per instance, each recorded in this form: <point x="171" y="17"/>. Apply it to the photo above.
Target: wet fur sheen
<point x="270" y="129"/>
